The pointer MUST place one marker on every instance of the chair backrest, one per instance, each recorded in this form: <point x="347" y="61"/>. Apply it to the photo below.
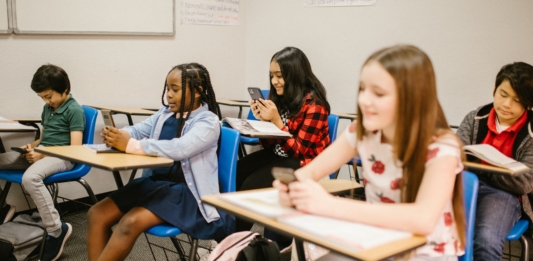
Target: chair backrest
<point x="250" y="114"/>
<point x="333" y="124"/>
<point x="227" y="159"/>
<point x="470" y="189"/>
<point x="90" y="124"/>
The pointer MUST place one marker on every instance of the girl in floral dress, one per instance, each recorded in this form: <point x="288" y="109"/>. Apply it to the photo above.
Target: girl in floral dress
<point x="411" y="160"/>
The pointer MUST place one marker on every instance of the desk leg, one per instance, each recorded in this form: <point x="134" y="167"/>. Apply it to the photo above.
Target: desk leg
<point x="130" y="121"/>
<point x="300" y="249"/>
<point x="2" y="149"/>
<point x="118" y="179"/>
<point x="240" y="112"/>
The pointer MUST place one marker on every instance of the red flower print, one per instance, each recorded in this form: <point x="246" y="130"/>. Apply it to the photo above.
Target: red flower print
<point x="432" y="153"/>
<point x="378" y="166"/>
<point x="448" y="219"/>
<point x="385" y="199"/>
<point x="365" y="182"/>
<point x="439" y="247"/>
<point x="395" y="184"/>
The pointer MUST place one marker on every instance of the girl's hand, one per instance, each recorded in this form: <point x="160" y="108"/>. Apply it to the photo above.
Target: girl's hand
<point x="284" y="199"/>
<point x="353" y="126"/>
<point x="309" y="197"/>
<point x="115" y="138"/>
<point x="33" y="156"/>
<point x="255" y="110"/>
<point x="269" y="112"/>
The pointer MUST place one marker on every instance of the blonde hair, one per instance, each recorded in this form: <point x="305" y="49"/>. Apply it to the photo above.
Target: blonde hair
<point x="419" y="117"/>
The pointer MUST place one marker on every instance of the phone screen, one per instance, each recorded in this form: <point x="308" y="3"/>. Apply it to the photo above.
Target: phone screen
<point x="284" y="175"/>
<point x="108" y="118"/>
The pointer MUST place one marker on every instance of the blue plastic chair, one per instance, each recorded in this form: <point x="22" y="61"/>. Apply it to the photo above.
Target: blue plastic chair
<point x="249" y="140"/>
<point x="227" y="173"/>
<point x="470" y="189"/>
<point x="333" y="124"/>
<point x="75" y="174"/>
<point x="516" y="233"/>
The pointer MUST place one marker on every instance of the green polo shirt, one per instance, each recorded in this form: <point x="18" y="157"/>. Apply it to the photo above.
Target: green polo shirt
<point x="59" y="123"/>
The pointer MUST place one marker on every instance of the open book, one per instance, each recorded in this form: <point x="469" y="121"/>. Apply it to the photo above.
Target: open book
<point x="349" y="234"/>
<point x="7" y="124"/>
<point x="494" y="157"/>
<point x="101" y="148"/>
<point x="259" y="129"/>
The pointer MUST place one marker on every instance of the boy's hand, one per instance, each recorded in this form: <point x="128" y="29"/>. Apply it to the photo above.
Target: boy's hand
<point x="33" y="156"/>
<point x="115" y="138"/>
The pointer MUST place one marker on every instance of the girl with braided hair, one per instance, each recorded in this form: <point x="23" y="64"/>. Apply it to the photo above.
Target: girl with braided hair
<point x="186" y="130"/>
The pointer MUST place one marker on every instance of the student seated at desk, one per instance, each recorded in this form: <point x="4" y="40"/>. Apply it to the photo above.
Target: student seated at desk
<point x="186" y="130"/>
<point x="63" y="122"/>
<point x="297" y="105"/>
<point x="505" y="124"/>
<point x="411" y="160"/>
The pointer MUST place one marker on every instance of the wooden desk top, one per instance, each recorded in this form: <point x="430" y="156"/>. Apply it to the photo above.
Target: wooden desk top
<point x="9" y="125"/>
<point x="488" y="168"/>
<point x="229" y="102"/>
<point x="346" y="115"/>
<point x="376" y="253"/>
<point x="108" y="161"/>
<point x="124" y="110"/>
<point x="33" y="120"/>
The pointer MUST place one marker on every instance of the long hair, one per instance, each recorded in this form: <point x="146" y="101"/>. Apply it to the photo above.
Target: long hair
<point x="419" y="117"/>
<point x="299" y="80"/>
<point x="194" y="78"/>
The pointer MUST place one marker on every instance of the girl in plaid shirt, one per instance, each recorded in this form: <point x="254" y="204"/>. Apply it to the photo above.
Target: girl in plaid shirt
<point x="297" y="104"/>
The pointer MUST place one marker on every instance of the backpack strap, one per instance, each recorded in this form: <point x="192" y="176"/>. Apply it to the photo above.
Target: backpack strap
<point x="236" y="243"/>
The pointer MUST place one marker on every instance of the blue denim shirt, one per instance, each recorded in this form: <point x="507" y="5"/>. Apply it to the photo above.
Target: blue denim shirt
<point x="196" y="149"/>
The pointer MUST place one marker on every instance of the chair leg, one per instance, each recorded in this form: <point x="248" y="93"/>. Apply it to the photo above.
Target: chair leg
<point x="3" y="197"/>
<point x="178" y="247"/>
<point x="525" y="249"/>
<point x="88" y="189"/>
<point x="194" y="248"/>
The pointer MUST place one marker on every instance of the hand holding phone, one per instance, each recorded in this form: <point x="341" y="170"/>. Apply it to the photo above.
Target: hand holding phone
<point x="19" y="150"/>
<point x="256" y="94"/>
<point x="284" y="175"/>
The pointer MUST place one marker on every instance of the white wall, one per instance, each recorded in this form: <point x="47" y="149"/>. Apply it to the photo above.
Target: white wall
<point x="115" y="70"/>
<point x="468" y="42"/>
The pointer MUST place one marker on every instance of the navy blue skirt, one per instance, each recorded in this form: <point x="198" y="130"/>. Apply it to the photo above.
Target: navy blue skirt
<point x="174" y="203"/>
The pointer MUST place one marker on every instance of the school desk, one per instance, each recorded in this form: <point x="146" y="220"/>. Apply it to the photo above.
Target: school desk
<point x="347" y="115"/>
<point x="486" y="168"/>
<point x="238" y="103"/>
<point x="377" y="253"/>
<point x="7" y="125"/>
<point x="113" y="162"/>
<point x="128" y="111"/>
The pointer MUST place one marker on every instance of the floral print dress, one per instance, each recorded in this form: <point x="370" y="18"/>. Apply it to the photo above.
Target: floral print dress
<point x="382" y="176"/>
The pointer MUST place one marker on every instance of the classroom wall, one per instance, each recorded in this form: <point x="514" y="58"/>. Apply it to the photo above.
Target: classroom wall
<point x="115" y="70"/>
<point x="468" y="42"/>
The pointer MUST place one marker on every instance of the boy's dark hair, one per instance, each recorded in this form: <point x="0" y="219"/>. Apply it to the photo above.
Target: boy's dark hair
<point x="193" y="76"/>
<point x="299" y="80"/>
<point x="50" y="77"/>
<point x="520" y="76"/>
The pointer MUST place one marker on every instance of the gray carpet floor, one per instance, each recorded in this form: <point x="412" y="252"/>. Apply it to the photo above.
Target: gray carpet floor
<point x="76" y="249"/>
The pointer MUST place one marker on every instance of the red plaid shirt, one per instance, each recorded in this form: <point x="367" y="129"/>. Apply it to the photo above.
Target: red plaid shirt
<point x="310" y="133"/>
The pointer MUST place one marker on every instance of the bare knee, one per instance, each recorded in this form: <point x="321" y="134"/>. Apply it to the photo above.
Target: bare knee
<point x="102" y="214"/>
<point x="128" y="225"/>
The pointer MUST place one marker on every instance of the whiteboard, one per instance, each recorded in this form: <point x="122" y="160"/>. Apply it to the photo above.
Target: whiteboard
<point x="116" y="17"/>
<point x="5" y="17"/>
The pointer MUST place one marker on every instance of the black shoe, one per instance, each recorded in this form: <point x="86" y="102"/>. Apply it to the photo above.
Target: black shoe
<point x="6" y="213"/>
<point x="53" y="247"/>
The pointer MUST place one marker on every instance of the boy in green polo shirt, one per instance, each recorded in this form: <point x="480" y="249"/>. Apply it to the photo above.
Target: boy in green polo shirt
<point x="63" y="122"/>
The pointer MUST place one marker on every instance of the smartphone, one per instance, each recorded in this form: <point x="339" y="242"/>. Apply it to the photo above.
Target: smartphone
<point x="284" y="175"/>
<point x="19" y="150"/>
<point x="255" y="93"/>
<point x="108" y="118"/>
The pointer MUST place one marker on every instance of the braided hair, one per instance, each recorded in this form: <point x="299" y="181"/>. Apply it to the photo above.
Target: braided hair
<point x="194" y="78"/>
